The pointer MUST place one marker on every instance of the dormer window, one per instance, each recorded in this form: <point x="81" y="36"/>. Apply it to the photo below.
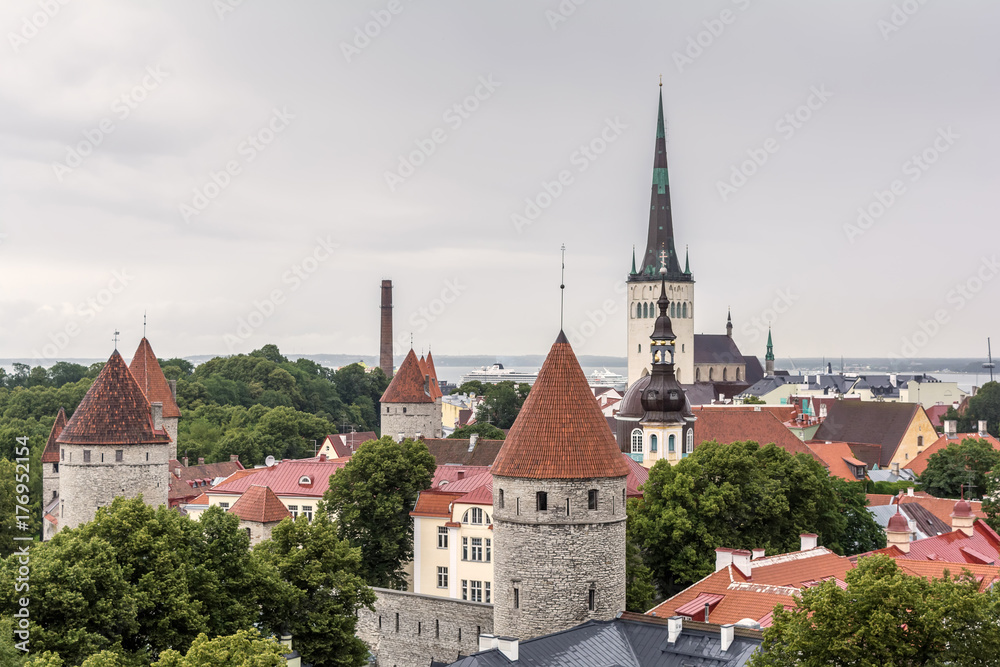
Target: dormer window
<point x="305" y="480"/>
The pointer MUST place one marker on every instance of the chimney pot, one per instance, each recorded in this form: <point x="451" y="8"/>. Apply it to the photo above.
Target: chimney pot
<point x="808" y="541"/>
<point x="185" y="461"/>
<point x="757" y="553"/>
<point x="286" y="641"/>
<point x="177" y="472"/>
<point x="728" y="633"/>
<point x="723" y="558"/>
<point x="486" y="642"/>
<point x="322" y="458"/>
<point x="675" y="624"/>
<point x="461" y="474"/>
<point x="741" y="561"/>
<point x="234" y="458"/>
<point x="982" y="427"/>
<point x="508" y="646"/>
<point x="201" y="460"/>
<point x="950" y="427"/>
<point x="909" y="491"/>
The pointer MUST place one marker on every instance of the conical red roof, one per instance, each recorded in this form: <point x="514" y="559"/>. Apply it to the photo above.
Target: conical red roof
<point x="435" y="387"/>
<point x="150" y="378"/>
<point x="407" y="384"/>
<point x="51" y="452"/>
<point x="560" y="432"/>
<point x="113" y="412"/>
<point x="258" y="503"/>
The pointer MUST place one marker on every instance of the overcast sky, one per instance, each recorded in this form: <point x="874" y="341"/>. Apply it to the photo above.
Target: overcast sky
<point x="119" y="120"/>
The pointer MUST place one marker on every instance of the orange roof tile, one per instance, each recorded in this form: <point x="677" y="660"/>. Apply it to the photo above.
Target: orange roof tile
<point x="114" y="411"/>
<point x="435" y="387"/>
<point x="939" y="507"/>
<point x="147" y="373"/>
<point x="51" y="452"/>
<point x="729" y="426"/>
<point x="200" y="500"/>
<point x="919" y="463"/>
<point x="407" y="384"/>
<point x="836" y="456"/>
<point x="877" y="499"/>
<point x="434" y="503"/>
<point x="259" y="504"/>
<point x="560" y="432"/>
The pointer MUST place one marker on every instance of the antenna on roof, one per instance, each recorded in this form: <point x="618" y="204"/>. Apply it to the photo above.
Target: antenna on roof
<point x="989" y="364"/>
<point x="562" y="286"/>
<point x="115" y="339"/>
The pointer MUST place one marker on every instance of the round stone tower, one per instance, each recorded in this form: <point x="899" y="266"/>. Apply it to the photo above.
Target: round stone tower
<point x="111" y="448"/>
<point x="558" y="508"/>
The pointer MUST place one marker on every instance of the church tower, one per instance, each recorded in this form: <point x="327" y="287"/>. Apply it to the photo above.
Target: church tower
<point x="558" y="508"/>
<point x="769" y="357"/>
<point x="411" y="404"/>
<point x="157" y="389"/>
<point x="642" y="285"/>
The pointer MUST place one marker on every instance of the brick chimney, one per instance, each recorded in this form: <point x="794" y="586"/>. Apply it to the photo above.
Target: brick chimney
<point x="741" y="561"/>
<point x="201" y="460"/>
<point x="950" y="427"/>
<point x="808" y="541"/>
<point x="385" y="333"/>
<point x="233" y="458"/>
<point x="962" y="517"/>
<point x="723" y="558"/>
<point x="185" y="461"/>
<point x="897" y="533"/>
<point x="982" y="427"/>
<point x="157" y="411"/>
<point x="322" y="458"/>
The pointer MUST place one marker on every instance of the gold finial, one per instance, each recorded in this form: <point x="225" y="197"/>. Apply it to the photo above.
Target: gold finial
<point x="661" y="81"/>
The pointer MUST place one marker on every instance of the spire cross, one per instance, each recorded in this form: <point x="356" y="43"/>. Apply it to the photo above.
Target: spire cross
<point x="115" y="338"/>
<point x="562" y="286"/>
<point x="144" y="324"/>
<point x="663" y="260"/>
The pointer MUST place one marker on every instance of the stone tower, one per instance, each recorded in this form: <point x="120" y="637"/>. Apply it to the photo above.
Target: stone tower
<point x="157" y="389"/>
<point x="50" y="461"/>
<point x="558" y="508"/>
<point x="385" y="332"/>
<point x="411" y="404"/>
<point x="642" y="289"/>
<point x="769" y="357"/>
<point x="110" y="448"/>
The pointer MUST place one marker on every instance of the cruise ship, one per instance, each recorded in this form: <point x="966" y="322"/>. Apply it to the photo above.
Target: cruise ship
<point x="497" y="373"/>
<point x="606" y="378"/>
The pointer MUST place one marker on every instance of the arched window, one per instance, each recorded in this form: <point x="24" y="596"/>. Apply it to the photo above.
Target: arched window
<point x="673" y="310"/>
<point x="670" y="444"/>
<point x="652" y="310"/>
<point x="645" y="310"/>
<point x="920" y="441"/>
<point x="690" y="441"/>
<point x="738" y="374"/>
<point x="685" y="310"/>
<point x="711" y="374"/>
<point x="476" y="515"/>
<point x="637" y="441"/>
<point x="725" y="374"/>
<point x="697" y="375"/>
<point x="677" y="374"/>
<point x="652" y="443"/>
<point x="638" y="310"/>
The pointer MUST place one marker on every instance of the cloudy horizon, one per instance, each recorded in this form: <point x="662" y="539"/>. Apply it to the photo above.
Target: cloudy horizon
<point x="244" y="173"/>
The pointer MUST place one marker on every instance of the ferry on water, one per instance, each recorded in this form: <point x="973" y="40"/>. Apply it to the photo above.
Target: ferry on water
<point x="497" y="373"/>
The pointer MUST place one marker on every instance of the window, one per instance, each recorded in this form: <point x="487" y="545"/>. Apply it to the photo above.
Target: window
<point x="224" y="506"/>
<point x="442" y="577"/>
<point x="725" y="374"/>
<point x="738" y="375"/>
<point x="517" y="597"/>
<point x="501" y="498"/>
<point x="652" y="443"/>
<point x="437" y="629"/>
<point x="476" y="591"/>
<point x="86" y="456"/>
<point x="119" y="455"/>
<point x="670" y="443"/>
<point x="592" y="499"/>
<point x="397" y="621"/>
<point x="591" y="599"/>
<point x="475" y="516"/>
<point x="673" y="311"/>
<point x="489" y="598"/>
<point x="62" y="454"/>
<point x="489" y="551"/>
<point x="623" y="497"/>
<point x="404" y="411"/>
<point x="711" y="374"/>
<point x="697" y="375"/>
<point x="55" y="467"/>
<point x="685" y="314"/>
<point x="477" y="548"/>
<point x="465" y="589"/>
<point x="645" y="310"/>
<point x="308" y="511"/>
<point x="517" y="506"/>
<point x="249" y="537"/>
<point x="465" y="548"/>
<point x="690" y="440"/>
<point x="920" y="441"/>
<point x="637" y="441"/>
<point x="147" y="456"/>
<point x="102" y="457"/>
<point x="541" y="501"/>
<point x="293" y="510"/>
<point x="442" y="537"/>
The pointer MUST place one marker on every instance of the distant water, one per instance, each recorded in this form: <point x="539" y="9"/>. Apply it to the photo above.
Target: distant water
<point x="454" y="374"/>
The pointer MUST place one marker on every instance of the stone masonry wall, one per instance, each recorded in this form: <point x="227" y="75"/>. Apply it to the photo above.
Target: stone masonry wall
<point x="170" y="426"/>
<point x="422" y="418"/>
<point x="50" y="482"/>
<point x="554" y="559"/>
<point x="83" y="487"/>
<point x="407" y="629"/>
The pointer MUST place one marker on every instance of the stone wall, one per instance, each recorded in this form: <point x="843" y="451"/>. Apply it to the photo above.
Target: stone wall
<point x="422" y="418"/>
<point x="83" y="487"/>
<point x="258" y="531"/>
<point x="555" y="559"/>
<point x="50" y="482"/>
<point x="170" y="426"/>
<point x="640" y="328"/>
<point x="408" y="630"/>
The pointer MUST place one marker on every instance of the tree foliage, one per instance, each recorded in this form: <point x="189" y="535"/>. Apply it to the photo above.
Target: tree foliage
<point x="501" y="403"/>
<point x="885" y="617"/>
<point x="484" y="430"/>
<point x="372" y="497"/>
<point x="984" y="405"/>
<point x="246" y="648"/>
<point x="950" y="470"/>
<point x="737" y="496"/>
<point x="639" y="589"/>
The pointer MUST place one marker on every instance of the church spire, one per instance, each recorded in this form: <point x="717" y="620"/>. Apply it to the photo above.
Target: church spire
<point x="633" y="261"/>
<point x="729" y="322"/>
<point x="661" y="226"/>
<point x="769" y="357"/>
<point x="687" y="262"/>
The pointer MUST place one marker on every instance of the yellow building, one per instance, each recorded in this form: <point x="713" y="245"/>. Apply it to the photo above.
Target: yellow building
<point x="880" y="433"/>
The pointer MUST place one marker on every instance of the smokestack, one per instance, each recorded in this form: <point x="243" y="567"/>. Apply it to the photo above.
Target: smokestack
<point x="385" y="343"/>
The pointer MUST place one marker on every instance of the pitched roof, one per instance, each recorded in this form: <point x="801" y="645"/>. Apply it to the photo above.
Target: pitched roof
<point x="755" y="372"/>
<point x="716" y="349"/>
<point x="51" y="452"/>
<point x="345" y="444"/>
<point x="259" y="504"/>
<point x="451" y="474"/>
<point x="637" y="476"/>
<point x="939" y="507"/>
<point x="560" y="432"/>
<point x="435" y="387"/>
<point x="876" y="499"/>
<point x="434" y="503"/>
<point x="283" y="478"/>
<point x="727" y="426"/>
<point x="192" y="479"/>
<point x="869" y="422"/>
<point x="456" y="450"/>
<point x="114" y="411"/>
<point x="149" y="376"/>
<point x="838" y="458"/>
<point x="407" y="384"/>
<point x="200" y="500"/>
<point x="936" y="414"/>
<point x="982" y="547"/>
<point x="919" y="462"/>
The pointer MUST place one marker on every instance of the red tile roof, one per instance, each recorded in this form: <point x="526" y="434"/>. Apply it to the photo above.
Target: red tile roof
<point x="560" y="432"/>
<point x="877" y="499"/>
<point x="435" y="503"/>
<point x="985" y="574"/>
<point x="200" y="500"/>
<point x="51" y="452"/>
<point x="982" y="547"/>
<point x="729" y="426"/>
<point x="919" y="463"/>
<point x="455" y="473"/>
<point x="936" y="413"/>
<point x="192" y="479"/>
<point x="939" y="507"/>
<point x="345" y="444"/>
<point x="838" y="458"/>
<point x="283" y="478"/>
<point x="869" y="422"/>
<point x="407" y="384"/>
<point x="147" y="373"/>
<point x="114" y="411"/>
<point x="782" y="412"/>
<point x="259" y="504"/>
<point x="432" y="372"/>
<point x="637" y="476"/>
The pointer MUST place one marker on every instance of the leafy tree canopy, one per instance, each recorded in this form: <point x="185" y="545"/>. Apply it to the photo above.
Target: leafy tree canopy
<point x="501" y="403"/>
<point x="485" y="431"/>
<point x="951" y="470"/>
<point x="246" y="648"/>
<point x="471" y="387"/>
<point x="984" y="405"/>
<point x="372" y="497"/>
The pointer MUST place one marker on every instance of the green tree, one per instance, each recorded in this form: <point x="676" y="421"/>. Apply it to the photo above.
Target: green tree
<point x="754" y="400"/>
<point x="64" y="372"/>
<point x="471" y="387"/>
<point x="862" y="533"/>
<point x="485" y="431"/>
<point x="372" y="497"/>
<point x="951" y="470"/>
<point x="323" y="590"/>
<point x="738" y="496"/>
<point x="246" y="648"/>
<point x="885" y="617"/>
<point x="501" y="403"/>
<point x="639" y="590"/>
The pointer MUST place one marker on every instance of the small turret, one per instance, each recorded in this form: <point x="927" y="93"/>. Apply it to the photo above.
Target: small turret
<point x="769" y="357"/>
<point x="729" y="323"/>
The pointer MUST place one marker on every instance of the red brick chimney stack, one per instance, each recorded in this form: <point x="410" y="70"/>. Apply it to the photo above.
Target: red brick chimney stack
<point x="385" y="343"/>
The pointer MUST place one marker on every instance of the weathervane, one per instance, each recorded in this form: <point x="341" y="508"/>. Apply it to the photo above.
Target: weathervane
<point x="115" y="338"/>
<point x="562" y="286"/>
<point x="144" y="324"/>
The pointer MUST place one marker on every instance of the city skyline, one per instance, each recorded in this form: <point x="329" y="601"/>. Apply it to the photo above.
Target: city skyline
<point x="245" y="174"/>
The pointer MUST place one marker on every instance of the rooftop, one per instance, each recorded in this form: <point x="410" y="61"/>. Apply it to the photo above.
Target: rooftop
<point x="149" y="376"/>
<point x="407" y="384"/>
<point x="260" y="505"/>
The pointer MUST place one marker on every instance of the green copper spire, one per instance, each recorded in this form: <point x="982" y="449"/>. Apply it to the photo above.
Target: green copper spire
<point x="770" y="347"/>
<point x="660" y="178"/>
<point x="687" y="262"/>
<point x="633" y="260"/>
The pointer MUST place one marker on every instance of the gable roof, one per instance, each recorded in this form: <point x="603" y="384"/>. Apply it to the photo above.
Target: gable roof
<point x="434" y="503"/>
<point x="192" y="479"/>
<point x="919" y="462"/>
<point x="114" y="411"/>
<point x="259" y="504"/>
<point x="869" y="422"/>
<point x="345" y="444"/>
<point x="716" y="349"/>
<point x="407" y="384"/>
<point x="51" y="452"/>
<point x="936" y="414"/>
<point x="560" y="432"/>
<point x="283" y="478"/>
<point x="150" y="378"/>
<point x="728" y="426"/>
<point x="838" y="458"/>
<point x="755" y="372"/>
<point x="456" y="450"/>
